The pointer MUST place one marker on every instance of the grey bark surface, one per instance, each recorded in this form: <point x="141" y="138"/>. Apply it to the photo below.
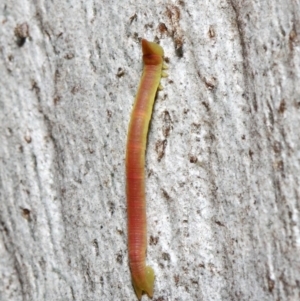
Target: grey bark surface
<point x="223" y="155"/>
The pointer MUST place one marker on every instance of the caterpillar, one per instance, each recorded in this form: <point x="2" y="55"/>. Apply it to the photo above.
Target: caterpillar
<point x="142" y="276"/>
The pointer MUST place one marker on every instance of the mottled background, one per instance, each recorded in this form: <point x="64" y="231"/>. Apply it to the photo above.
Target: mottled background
<point x="223" y="156"/>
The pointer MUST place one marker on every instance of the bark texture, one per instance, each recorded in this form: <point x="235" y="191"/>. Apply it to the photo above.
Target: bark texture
<point x="223" y="157"/>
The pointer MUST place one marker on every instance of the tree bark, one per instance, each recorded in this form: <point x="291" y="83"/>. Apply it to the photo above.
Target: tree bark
<point x="223" y="155"/>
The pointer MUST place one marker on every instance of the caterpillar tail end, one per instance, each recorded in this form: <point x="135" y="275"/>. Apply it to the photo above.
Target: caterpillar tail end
<point x="147" y="285"/>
